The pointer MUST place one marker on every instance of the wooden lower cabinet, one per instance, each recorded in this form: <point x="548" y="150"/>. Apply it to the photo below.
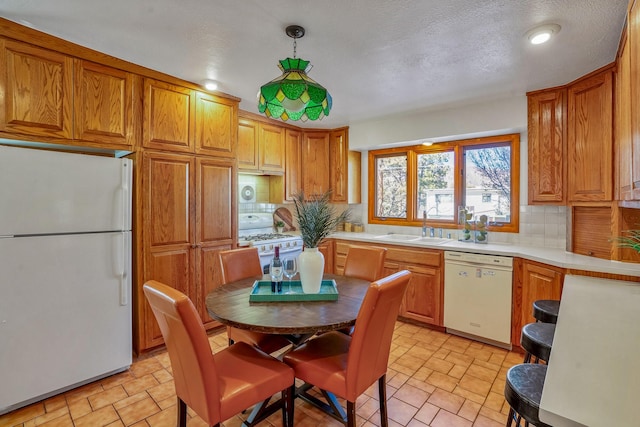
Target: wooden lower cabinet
<point x="532" y="281"/>
<point x="188" y="216"/>
<point x="326" y="248"/>
<point x="423" y="299"/>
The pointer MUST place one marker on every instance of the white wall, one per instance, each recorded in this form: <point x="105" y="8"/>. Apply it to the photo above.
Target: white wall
<point x="488" y="118"/>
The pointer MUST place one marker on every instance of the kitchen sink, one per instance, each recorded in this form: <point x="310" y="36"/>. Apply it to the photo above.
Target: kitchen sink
<point x="412" y="238"/>
<point x="434" y="240"/>
<point x="399" y="237"/>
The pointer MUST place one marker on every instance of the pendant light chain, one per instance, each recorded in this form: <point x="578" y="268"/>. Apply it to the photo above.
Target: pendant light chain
<point x="295" y="46"/>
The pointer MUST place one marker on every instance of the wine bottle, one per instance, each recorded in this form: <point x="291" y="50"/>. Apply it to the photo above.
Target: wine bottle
<point x="276" y="272"/>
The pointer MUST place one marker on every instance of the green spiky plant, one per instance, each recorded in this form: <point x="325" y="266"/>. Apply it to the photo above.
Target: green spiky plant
<point x="630" y="239"/>
<point x="316" y="217"/>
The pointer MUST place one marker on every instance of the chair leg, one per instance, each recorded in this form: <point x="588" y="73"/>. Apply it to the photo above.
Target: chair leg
<point x="288" y="395"/>
<point x="351" y="414"/>
<point x="382" y="390"/>
<point x="182" y="413"/>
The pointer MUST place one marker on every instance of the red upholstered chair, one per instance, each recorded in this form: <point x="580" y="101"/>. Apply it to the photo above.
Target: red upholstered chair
<point x="365" y="262"/>
<point x="243" y="263"/>
<point x="345" y="366"/>
<point x="216" y="386"/>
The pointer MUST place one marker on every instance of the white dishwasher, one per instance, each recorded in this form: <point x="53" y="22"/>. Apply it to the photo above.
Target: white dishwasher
<point x="477" y="296"/>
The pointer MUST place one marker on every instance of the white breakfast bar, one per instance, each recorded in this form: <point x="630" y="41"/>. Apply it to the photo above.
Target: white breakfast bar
<point x="593" y="377"/>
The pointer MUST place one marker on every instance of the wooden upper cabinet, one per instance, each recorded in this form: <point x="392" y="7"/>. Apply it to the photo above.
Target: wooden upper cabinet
<point x="36" y="91"/>
<point x="247" y="144"/>
<point x="48" y="94"/>
<point x="215" y="121"/>
<point x="261" y="146"/>
<point x="271" y="148"/>
<point x="315" y="163"/>
<point x="168" y="117"/>
<point x="623" y="136"/>
<point x="590" y="138"/>
<point x="293" y="164"/>
<point x="633" y="46"/>
<point x="547" y="146"/>
<point x="355" y="176"/>
<point x="339" y="165"/>
<point x="103" y="105"/>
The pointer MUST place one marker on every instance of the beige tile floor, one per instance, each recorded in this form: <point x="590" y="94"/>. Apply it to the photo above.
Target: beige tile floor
<point x="434" y="379"/>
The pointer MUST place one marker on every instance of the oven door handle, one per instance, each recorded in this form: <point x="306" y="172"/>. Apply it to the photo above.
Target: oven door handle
<point x="283" y="251"/>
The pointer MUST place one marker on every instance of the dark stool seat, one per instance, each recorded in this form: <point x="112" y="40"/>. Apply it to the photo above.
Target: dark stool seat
<point x="523" y="391"/>
<point x="546" y="310"/>
<point x="536" y="340"/>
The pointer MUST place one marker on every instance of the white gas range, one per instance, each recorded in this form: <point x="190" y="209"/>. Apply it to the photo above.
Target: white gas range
<point x="256" y="229"/>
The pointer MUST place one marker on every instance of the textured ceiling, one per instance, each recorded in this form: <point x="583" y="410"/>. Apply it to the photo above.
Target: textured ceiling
<point x="375" y="57"/>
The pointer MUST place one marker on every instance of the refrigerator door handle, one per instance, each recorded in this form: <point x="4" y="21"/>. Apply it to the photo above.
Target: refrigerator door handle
<point x="125" y="188"/>
<point x="120" y="266"/>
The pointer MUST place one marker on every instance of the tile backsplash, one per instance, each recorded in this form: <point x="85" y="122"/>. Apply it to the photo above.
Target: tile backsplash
<point x="260" y="201"/>
<point x="544" y="226"/>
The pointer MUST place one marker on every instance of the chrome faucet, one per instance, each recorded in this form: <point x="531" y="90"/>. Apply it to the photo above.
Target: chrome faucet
<point x="424" y="223"/>
<point x="432" y="232"/>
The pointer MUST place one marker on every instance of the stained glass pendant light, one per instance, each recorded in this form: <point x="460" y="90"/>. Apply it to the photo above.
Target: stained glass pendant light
<point x="294" y="95"/>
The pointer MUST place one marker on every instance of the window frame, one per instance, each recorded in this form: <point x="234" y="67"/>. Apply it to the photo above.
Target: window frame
<point x="457" y="146"/>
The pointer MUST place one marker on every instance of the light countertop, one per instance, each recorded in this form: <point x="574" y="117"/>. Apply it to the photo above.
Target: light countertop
<point x="550" y="256"/>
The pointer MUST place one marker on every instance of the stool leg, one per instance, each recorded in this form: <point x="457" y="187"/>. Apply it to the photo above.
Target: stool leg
<point x="527" y="357"/>
<point x="511" y="416"/>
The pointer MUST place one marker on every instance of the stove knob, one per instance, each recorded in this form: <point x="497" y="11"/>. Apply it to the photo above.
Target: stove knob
<point x="270" y="247"/>
<point x="262" y="248"/>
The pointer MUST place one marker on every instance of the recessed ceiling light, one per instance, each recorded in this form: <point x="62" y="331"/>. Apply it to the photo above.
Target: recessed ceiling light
<point x="427" y="143"/>
<point x="542" y="33"/>
<point x="210" y="84"/>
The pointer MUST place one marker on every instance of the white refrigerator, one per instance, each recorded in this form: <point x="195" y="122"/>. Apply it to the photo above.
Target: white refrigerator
<point x="65" y="272"/>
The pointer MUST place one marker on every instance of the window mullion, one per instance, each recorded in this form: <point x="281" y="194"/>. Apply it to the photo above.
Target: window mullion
<point x="412" y="185"/>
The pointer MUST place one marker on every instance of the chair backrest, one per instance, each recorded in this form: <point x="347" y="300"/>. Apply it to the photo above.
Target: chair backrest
<point x="237" y="264"/>
<point x="371" y="338"/>
<point x="192" y="362"/>
<point x="365" y="262"/>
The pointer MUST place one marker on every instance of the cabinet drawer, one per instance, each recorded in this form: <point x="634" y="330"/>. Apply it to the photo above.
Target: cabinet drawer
<point x="414" y="256"/>
<point x="342" y="248"/>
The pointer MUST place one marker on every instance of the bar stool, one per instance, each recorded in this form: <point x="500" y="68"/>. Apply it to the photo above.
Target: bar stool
<point x="536" y="340"/>
<point x="523" y="391"/>
<point x="546" y="310"/>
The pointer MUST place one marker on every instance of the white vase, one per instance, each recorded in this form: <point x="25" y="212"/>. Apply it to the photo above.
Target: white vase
<point x="311" y="268"/>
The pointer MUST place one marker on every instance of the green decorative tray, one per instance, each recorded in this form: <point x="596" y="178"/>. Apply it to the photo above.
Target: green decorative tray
<point x="261" y="292"/>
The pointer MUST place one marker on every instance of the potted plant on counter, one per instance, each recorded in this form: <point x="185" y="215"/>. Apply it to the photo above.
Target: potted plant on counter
<point x="317" y="219"/>
<point x="630" y="239"/>
<point x="279" y="226"/>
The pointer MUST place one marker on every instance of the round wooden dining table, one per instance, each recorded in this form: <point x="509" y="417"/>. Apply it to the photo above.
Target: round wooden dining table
<point x="229" y="304"/>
